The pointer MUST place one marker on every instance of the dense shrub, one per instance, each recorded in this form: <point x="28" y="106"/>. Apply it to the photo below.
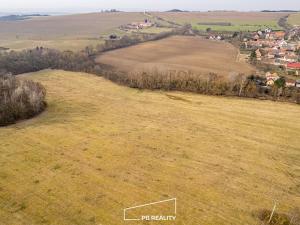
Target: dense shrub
<point x="42" y="58"/>
<point x="291" y="218"/>
<point x="19" y="99"/>
<point x="181" y="81"/>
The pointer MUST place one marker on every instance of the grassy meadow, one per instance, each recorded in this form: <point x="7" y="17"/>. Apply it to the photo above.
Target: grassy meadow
<point x="239" y="21"/>
<point x="99" y="148"/>
<point x="74" y="44"/>
<point x="294" y="19"/>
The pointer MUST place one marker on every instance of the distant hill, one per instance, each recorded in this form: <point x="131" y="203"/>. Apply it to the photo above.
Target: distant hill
<point x="177" y="10"/>
<point x="18" y="17"/>
<point x="110" y="11"/>
<point x="280" y="11"/>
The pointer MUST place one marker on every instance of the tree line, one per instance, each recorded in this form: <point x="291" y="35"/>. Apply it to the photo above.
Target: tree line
<point x="239" y="85"/>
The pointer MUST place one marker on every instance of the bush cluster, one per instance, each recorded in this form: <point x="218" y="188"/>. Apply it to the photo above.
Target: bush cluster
<point x="42" y="58"/>
<point x="19" y="99"/>
<point x="291" y="218"/>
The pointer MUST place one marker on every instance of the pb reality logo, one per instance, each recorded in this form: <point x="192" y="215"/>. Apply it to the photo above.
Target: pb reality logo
<point x="155" y="211"/>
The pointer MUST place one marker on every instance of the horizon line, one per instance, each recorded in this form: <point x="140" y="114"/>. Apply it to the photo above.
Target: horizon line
<point x="74" y="11"/>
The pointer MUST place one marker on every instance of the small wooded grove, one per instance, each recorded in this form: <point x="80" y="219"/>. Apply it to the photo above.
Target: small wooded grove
<point x="19" y="99"/>
<point x="41" y="58"/>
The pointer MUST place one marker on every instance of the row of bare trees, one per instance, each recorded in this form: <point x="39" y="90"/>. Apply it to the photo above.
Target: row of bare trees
<point x="235" y="85"/>
<point x="138" y="38"/>
<point x="209" y="84"/>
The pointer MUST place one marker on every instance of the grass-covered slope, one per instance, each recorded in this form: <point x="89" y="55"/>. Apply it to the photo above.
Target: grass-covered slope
<point x="294" y="19"/>
<point x="68" y="32"/>
<point x="226" y="21"/>
<point x="100" y="147"/>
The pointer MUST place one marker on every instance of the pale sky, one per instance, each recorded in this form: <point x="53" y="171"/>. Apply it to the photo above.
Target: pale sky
<point x="140" y="5"/>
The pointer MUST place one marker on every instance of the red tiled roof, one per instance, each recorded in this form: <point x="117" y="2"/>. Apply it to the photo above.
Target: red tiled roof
<point x="290" y="81"/>
<point x="279" y="33"/>
<point x="293" y="65"/>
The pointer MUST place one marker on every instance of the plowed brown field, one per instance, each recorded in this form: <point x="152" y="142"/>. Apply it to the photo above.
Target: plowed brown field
<point x="178" y="53"/>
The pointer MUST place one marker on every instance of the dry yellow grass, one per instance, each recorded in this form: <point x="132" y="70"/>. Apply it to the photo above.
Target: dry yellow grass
<point x="100" y="147"/>
<point x="76" y="44"/>
<point x="180" y="53"/>
<point x="294" y="19"/>
<point x="240" y="21"/>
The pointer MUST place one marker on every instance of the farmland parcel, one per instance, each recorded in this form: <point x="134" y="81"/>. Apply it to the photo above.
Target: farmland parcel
<point x="100" y="147"/>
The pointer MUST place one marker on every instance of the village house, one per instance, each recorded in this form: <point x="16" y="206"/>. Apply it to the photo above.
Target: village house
<point x="293" y="68"/>
<point x="258" y="55"/>
<point x="291" y="47"/>
<point x="254" y="44"/>
<point x="279" y="62"/>
<point x="278" y="35"/>
<point x="271" y="55"/>
<point x="256" y="37"/>
<point x="268" y="30"/>
<point x="281" y="53"/>
<point x="271" y="78"/>
<point x="218" y="37"/>
<point x="291" y="58"/>
<point x="138" y="25"/>
<point x="272" y="48"/>
<point x="270" y="82"/>
<point x="290" y="83"/>
<point x="282" y="44"/>
<point x="294" y="33"/>
<point x="145" y="24"/>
